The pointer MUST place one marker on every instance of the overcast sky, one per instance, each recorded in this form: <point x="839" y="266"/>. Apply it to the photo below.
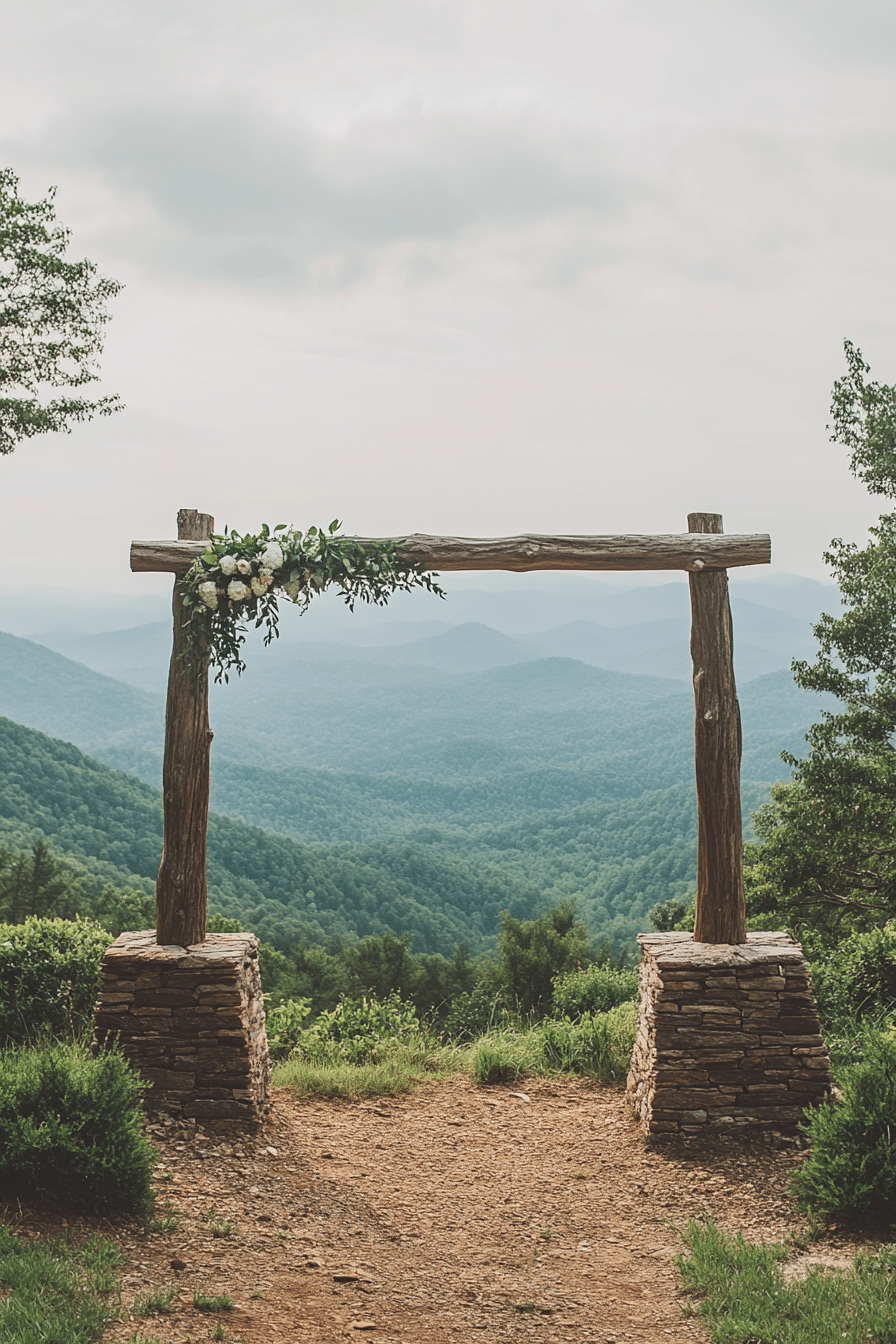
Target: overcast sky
<point x="465" y="266"/>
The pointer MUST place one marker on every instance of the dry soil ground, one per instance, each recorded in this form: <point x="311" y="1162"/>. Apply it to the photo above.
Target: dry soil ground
<point x="460" y="1213"/>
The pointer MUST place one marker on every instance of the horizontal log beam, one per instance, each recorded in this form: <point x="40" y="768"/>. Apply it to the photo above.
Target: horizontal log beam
<point x="691" y="551"/>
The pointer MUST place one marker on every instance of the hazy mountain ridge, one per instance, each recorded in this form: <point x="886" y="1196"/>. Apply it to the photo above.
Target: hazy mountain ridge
<point x="615" y="735"/>
<point x="422" y="784"/>
<point x="443" y="888"/>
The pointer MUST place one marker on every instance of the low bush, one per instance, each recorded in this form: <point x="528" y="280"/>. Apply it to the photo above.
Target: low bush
<point x="70" y="1129"/>
<point x="869" y="965"/>
<point x="363" y="1031"/>
<point x="744" y="1296"/>
<point x="285" y="1025"/>
<point x="476" y="1012"/>
<point x="594" y="989"/>
<point x="851" y="1168"/>
<point x="598" y="1044"/>
<point x="49" y="978"/>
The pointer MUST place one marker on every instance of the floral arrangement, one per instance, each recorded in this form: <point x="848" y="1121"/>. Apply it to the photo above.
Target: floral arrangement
<point x="240" y="578"/>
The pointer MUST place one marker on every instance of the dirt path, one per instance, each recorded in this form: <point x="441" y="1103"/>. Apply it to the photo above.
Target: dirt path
<point x="461" y="1213"/>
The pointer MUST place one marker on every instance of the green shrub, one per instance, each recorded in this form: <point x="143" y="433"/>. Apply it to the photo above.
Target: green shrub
<point x="594" y="989"/>
<point x="535" y="951"/>
<point x="851" y="1168"/>
<point x="868" y="963"/>
<point x="668" y="915"/>
<point x="49" y="978"/>
<point x="363" y="1031"/>
<point x="476" y="1012"/>
<point x="599" y="1045"/>
<point x="285" y="1025"/>
<point x="70" y="1129"/>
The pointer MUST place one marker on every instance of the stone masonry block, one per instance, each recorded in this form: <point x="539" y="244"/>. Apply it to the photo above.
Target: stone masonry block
<point x="727" y="1035"/>
<point x="191" y="1021"/>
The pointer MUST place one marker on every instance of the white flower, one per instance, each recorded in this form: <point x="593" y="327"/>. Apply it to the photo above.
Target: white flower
<point x="237" y="591"/>
<point x="209" y="594"/>
<point x="244" y="566"/>
<point x="261" y="584"/>
<point x="228" y="564"/>
<point x="264" y="572"/>
<point x="272" y="555"/>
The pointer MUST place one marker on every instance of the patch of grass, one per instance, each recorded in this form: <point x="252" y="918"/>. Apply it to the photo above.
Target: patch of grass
<point x="502" y="1058"/>
<point x="55" y="1292"/>
<point x="597" y="1045"/>
<point x="743" y="1297"/>
<point x="168" y="1222"/>
<point x="397" y="1074"/>
<point x="218" y="1332"/>
<point x="158" y="1303"/>
<point x="220" y="1303"/>
<point x="219" y="1227"/>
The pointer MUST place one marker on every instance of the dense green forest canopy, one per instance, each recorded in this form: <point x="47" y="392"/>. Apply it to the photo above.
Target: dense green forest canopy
<point x="443" y="888"/>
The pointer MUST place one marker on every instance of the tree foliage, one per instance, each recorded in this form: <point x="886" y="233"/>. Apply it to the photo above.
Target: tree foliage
<point x="52" y="315"/>
<point x="534" y="951"/>
<point x="829" y="852"/>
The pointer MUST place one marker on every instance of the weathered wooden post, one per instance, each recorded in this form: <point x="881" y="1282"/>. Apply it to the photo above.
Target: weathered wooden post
<point x="721" y="914"/>
<point x="187" y="1008"/>
<point x="728" y="1035"/>
<point x="181" y="887"/>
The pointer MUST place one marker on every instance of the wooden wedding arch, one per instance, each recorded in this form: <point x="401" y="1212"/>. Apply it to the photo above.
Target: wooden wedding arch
<point x="703" y="552"/>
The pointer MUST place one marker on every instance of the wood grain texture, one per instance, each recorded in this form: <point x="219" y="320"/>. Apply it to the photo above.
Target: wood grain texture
<point x="682" y="551"/>
<point x="181" y="888"/>
<point x="721" y="912"/>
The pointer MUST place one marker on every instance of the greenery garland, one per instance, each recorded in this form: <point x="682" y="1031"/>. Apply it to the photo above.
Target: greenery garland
<point x="239" y="578"/>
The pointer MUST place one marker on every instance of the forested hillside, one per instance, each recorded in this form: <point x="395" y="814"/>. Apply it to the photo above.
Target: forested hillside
<point x="400" y="800"/>
<point x="444" y="887"/>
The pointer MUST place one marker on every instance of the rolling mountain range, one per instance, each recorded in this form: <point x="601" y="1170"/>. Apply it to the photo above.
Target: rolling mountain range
<point x="416" y="784"/>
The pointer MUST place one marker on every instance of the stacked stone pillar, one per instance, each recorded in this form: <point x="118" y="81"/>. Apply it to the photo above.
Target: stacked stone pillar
<point x="191" y="1021"/>
<point x="728" y="1036"/>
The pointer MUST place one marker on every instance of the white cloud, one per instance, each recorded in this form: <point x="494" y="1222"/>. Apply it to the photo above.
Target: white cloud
<point x="229" y="192"/>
